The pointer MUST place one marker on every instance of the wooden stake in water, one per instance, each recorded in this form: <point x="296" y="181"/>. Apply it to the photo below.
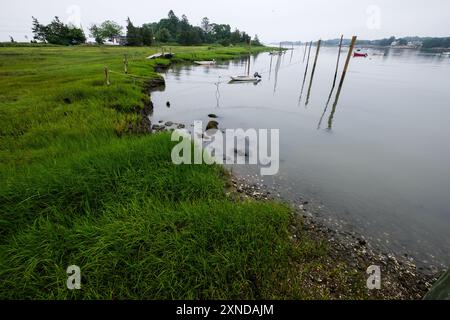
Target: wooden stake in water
<point x="313" y="71"/>
<point x="344" y="72"/>
<point x="107" y="76"/>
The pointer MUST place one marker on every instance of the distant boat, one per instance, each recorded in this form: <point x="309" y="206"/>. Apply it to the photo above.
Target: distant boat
<point x="160" y="55"/>
<point x="447" y="54"/>
<point x="245" y="79"/>
<point x="360" y="53"/>
<point x="205" y="63"/>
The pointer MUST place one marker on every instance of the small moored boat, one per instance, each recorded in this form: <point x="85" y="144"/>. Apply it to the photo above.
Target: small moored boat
<point x="205" y="63"/>
<point x="245" y="79"/>
<point x="360" y="53"/>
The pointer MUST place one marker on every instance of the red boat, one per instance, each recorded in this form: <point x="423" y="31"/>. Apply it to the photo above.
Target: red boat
<point x="360" y="54"/>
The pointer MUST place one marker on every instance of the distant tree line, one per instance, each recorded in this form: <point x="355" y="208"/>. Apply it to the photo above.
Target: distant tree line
<point x="426" y="42"/>
<point x="168" y="30"/>
<point x="436" y="43"/>
<point x="175" y="30"/>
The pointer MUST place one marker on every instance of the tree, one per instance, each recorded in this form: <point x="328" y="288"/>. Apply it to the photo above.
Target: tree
<point x="256" y="41"/>
<point x="205" y="25"/>
<point x="221" y="33"/>
<point x="107" y="30"/>
<point x="386" y="42"/>
<point x="97" y="34"/>
<point x="163" y="35"/>
<point x="235" y="37"/>
<point x="134" y="35"/>
<point x="402" y="42"/>
<point x="147" y="34"/>
<point x="38" y="30"/>
<point x="11" y="39"/>
<point x="58" y="33"/>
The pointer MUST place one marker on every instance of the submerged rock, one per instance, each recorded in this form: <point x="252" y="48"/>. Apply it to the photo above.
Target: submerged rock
<point x="157" y="127"/>
<point x="212" y="125"/>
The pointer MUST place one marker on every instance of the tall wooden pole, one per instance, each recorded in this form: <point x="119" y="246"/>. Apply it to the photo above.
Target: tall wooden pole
<point x="313" y="71"/>
<point x="347" y="62"/>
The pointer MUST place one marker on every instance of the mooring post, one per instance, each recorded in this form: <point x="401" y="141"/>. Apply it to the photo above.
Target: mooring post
<point x="347" y="62"/>
<point x="107" y="76"/>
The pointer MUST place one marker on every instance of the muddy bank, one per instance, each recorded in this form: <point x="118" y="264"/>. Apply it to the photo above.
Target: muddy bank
<point x="400" y="278"/>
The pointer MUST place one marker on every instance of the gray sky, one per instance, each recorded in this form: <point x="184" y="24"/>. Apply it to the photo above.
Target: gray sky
<point x="272" y="20"/>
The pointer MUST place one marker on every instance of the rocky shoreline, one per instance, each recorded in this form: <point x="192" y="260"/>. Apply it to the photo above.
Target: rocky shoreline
<point x="401" y="278"/>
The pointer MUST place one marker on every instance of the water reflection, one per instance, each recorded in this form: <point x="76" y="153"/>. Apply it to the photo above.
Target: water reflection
<point x="306" y="72"/>
<point x="334" y="84"/>
<point x="312" y="73"/>
<point x="277" y="69"/>
<point x="341" y="83"/>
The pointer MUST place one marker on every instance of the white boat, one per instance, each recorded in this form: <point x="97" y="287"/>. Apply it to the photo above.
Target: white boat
<point x="160" y="55"/>
<point x="245" y="79"/>
<point x="275" y="53"/>
<point x="205" y="63"/>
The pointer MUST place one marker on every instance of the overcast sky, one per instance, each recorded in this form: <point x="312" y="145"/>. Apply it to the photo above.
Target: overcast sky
<point x="272" y="20"/>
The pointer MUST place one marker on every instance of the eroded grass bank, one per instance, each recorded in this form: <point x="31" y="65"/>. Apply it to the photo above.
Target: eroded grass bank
<point x="78" y="189"/>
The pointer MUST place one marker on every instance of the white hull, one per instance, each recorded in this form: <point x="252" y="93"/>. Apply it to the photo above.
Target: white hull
<point x="244" y="79"/>
<point x="205" y="63"/>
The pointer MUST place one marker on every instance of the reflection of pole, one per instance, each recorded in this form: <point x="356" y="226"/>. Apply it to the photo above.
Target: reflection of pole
<point x="306" y="72"/>
<point x="277" y="68"/>
<point x="304" y="54"/>
<point x="337" y="63"/>
<point x="334" y="84"/>
<point x="292" y="52"/>
<point x="249" y="56"/>
<point x="313" y="71"/>
<point x="344" y="72"/>
<point x="270" y="70"/>
<point x="218" y="93"/>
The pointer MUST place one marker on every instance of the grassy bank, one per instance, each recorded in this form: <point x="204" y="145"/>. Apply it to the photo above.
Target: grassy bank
<point x="79" y="189"/>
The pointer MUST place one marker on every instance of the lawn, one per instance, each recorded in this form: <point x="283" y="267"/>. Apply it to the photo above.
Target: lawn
<point x="78" y="188"/>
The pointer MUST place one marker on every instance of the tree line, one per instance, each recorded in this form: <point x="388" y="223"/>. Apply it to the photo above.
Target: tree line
<point x="168" y="30"/>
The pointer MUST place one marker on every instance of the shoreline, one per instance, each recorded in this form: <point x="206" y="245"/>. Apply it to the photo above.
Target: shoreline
<point x="401" y="278"/>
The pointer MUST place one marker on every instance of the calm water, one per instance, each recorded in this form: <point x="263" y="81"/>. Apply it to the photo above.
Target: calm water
<point x="380" y="164"/>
